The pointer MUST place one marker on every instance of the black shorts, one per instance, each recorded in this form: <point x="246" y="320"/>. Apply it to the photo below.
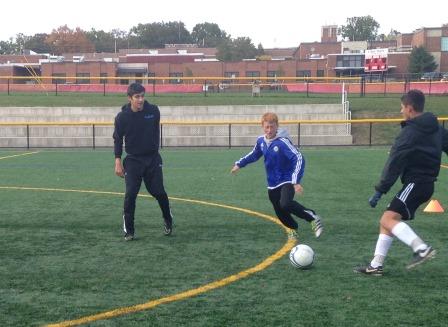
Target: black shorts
<point x="410" y="197"/>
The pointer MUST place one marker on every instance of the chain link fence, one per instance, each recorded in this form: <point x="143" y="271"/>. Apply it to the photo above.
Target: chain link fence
<point x="361" y="132"/>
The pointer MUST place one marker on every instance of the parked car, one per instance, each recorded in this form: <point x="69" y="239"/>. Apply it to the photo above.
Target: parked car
<point x="431" y="76"/>
<point x="444" y="77"/>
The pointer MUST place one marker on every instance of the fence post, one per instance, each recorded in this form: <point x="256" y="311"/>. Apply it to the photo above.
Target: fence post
<point x="154" y="87"/>
<point x="205" y="88"/>
<point x="370" y="134"/>
<point x="161" y="136"/>
<point x="8" y="86"/>
<point x="93" y="136"/>
<point x="362" y="82"/>
<point x="298" y="135"/>
<point x="104" y="88"/>
<point x="307" y="90"/>
<point x="230" y="136"/>
<point x="27" y="136"/>
<point x="56" y="89"/>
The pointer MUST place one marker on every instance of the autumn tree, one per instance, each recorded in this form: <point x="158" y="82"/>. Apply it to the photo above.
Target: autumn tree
<point x="65" y="40"/>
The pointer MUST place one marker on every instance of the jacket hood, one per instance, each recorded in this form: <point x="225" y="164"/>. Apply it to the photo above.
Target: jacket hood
<point x="426" y="123"/>
<point x="281" y="132"/>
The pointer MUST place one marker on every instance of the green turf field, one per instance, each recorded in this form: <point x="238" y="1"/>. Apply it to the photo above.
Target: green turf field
<point x="63" y="256"/>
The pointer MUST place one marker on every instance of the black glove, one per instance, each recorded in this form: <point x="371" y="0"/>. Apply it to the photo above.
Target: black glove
<point x="373" y="200"/>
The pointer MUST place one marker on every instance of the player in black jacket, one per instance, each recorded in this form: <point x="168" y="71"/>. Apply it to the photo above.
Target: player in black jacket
<point x="138" y="124"/>
<point x="415" y="157"/>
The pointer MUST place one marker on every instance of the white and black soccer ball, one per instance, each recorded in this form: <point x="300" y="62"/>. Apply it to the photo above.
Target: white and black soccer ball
<point x="301" y="256"/>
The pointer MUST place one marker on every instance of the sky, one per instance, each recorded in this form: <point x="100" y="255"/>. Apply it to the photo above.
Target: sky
<point x="274" y="24"/>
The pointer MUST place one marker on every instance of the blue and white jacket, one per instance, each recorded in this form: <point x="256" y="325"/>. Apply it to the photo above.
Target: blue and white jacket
<point x="282" y="160"/>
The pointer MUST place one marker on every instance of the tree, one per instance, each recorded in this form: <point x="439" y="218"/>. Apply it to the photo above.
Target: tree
<point x="208" y="35"/>
<point x="124" y="39"/>
<point x="8" y="47"/>
<point x="421" y="61"/>
<point x="156" y="35"/>
<point x="66" y="40"/>
<point x="363" y="28"/>
<point x="37" y="43"/>
<point x="102" y="41"/>
<point x="236" y="49"/>
<point x="389" y="37"/>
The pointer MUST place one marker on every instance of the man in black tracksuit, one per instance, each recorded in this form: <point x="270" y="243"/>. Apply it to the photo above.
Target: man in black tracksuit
<point x="138" y="124"/>
<point x="415" y="157"/>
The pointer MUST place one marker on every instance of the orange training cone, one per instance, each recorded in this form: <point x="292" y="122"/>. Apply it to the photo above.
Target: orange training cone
<point x="433" y="206"/>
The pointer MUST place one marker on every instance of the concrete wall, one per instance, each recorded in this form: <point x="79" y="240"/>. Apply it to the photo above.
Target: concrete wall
<point x="175" y="128"/>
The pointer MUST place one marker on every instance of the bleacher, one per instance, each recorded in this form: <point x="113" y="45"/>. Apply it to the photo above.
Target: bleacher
<point x="236" y="125"/>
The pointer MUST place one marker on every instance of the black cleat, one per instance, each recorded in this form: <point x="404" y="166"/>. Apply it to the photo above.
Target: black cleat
<point x="369" y="270"/>
<point x="421" y="256"/>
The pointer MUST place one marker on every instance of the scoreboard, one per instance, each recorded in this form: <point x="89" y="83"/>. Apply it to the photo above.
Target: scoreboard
<point x="375" y="60"/>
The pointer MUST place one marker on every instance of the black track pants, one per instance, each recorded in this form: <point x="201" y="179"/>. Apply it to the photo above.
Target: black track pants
<point x="282" y="199"/>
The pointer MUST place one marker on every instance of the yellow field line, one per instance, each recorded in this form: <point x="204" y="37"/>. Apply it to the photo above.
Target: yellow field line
<point x="19" y="155"/>
<point x="444" y="166"/>
<point x="183" y="295"/>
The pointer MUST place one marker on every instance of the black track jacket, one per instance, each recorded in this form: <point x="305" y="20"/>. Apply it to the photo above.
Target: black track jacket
<point x="416" y="153"/>
<point x="140" y="130"/>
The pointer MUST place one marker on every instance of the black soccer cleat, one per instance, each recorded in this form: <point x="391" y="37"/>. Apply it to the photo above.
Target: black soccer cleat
<point x="369" y="270"/>
<point x="421" y="256"/>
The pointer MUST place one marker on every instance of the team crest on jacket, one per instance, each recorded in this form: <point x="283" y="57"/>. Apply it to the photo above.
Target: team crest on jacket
<point x="276" y="148"/>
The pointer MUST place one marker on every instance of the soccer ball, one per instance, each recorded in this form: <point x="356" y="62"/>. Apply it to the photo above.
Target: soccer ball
<point x="301" y="256"/>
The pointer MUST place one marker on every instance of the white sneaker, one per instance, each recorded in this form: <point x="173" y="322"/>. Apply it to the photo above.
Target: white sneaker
<point x="316" y="224"/>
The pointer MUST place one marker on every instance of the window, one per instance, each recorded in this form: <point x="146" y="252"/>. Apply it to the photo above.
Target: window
<point x="103" y="79"/>
<point x="230" y="77"/>
<point x="273" y="75"/>
<point x="81" y="80"/>
<point x="59" y="78"/>
<point x="320" y="73"/>
<point x="303" y="73"/>
<point x="252" y="74"/>
<point x="138" y="78"/>
<point x="151" y="81"/>
<point x="356" y="61"/>
<point x="444" y="43"/>
<point x="178" y="80"/>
